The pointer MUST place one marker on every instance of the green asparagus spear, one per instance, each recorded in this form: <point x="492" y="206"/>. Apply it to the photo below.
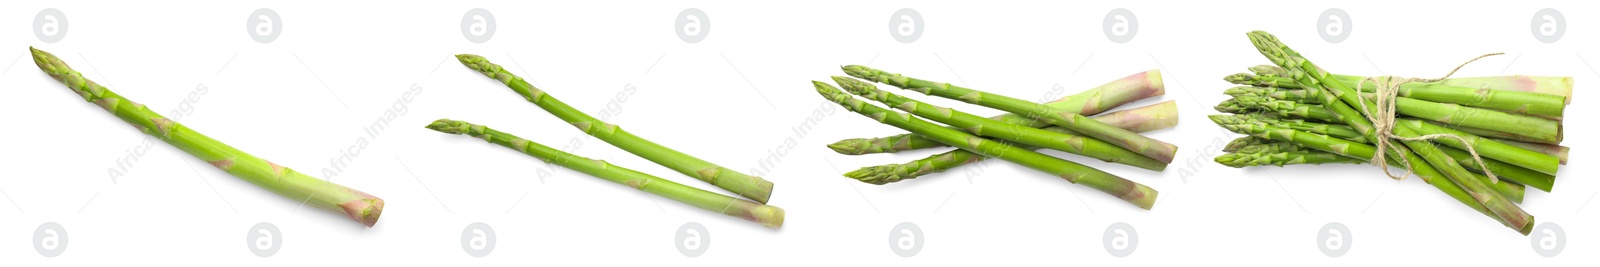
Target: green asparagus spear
<point x="1503" y="170"/>
<point x="1093" y="101"/>
<point x="1141" y="119"/>
<point x="1535" y="128"/>
<point x="1452" y="114"/>
<point x="752" y="187"/>
<point x="1242" y="142"/>
<point x="1020" y="134"/>
<point x="1241" y="160"/>
<point x="1251" y="103"/>
<point x="1334" y="130"/>
<point x="765" y="215"/>
<point x="1315" y="78"/>
<point x="1559" y="151"/>
<point x="1559" y="86"/>
<point x="1270" y="152"/>
<point x="1066" y="119"/>
<point x="1348" y="149"/>
<point x="361" y="207"/>
<point x="1164" y="114"/>
<point x="1489" y="149"/>
<point x="1506" y="172"/>
<point x="1135" y="193"/>
<point x="1498" y="134"/>
<point x="1535" y="89"/>
<point x="1301" y="96"/>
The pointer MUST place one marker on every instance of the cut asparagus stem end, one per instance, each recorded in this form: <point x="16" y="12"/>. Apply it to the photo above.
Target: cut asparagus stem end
<point x="769" y="216"/>
<point x="1143" y="196"/>
<point x="365" y="210"/>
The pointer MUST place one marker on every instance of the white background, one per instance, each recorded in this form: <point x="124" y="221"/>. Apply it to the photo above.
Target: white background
<point x="303" y="100"/>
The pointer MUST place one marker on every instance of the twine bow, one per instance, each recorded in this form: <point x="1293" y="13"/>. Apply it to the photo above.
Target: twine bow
<point x="1387" y="89"/>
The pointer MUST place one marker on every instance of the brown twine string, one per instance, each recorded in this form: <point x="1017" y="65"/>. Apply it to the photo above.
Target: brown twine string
<point x="1387" y="89"/>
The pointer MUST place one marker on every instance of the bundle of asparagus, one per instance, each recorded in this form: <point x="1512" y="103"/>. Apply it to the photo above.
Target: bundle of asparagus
<point x="1480" y="140"/>
<point x="1059" y="125"/>
<point x="361" y="207"/>
<point x="756" y="189"/>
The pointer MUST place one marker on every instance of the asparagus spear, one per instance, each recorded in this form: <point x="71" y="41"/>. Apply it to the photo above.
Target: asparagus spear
<point x="1503" y="170"/>
<point x="1487" y="148"/>
<point x="1020" y="134"/>
<point x="1158" y="114"/>
<point x="765" y="215"/>
<point x="1349" y="149"/>
<point x="1135" y="193"/>
<point x="1301" y="96"/>
<point x="1452" y="114"/>
<point x="361" y="207"/>
<point x="1535" y="128"/>
<point x="1269" y="152"/>
<point x="1507" y="172"/>
<point x="1241" y="160"/>
<point x="1559" y="151"/>
<point x="1334" y="130"/>
<point x="1141" y="119"/>
<point x="1066" y="119"/>
<point x="1304" y="110"/>
<point x="1408" y="107"/>
<point x="1559" y="86"/>
<point x="1093" y="101"/>
<point x="1242" y="142"/>
<point x="1490" y="148"/>
<point x="1504" y="90"/>
<point x="1314" y="78"/>
<point x="752" y="187"/>
<point x="1498" y="134"/>
<point x="1250" y="103"/>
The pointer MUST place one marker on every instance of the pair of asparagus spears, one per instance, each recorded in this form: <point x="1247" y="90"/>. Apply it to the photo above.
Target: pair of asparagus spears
<point x="757" y="190"/>
<point x="1298" y="113"/>
<point x="1059" y="125"/>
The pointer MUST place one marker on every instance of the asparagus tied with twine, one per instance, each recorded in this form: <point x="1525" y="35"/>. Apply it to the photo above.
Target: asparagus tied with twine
<point x="1383" y="118"/>
<point x="1464" y="136"/>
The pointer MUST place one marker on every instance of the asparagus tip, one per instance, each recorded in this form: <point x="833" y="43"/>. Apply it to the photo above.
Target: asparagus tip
<point x="878" y="175"/>
<point x="856" y="70"/>
<point x="824" y="88"/>
<point x="469" y="58"/>
<point x="1230" y="160"/>
<point x="852" y="146"/>
<point x="49" y="63"/>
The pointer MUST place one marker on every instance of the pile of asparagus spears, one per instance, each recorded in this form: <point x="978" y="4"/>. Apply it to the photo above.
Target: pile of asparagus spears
<point x="757" y="190"/>
<point x="1060" y="125"/>
<point x="1295" y="112"/>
